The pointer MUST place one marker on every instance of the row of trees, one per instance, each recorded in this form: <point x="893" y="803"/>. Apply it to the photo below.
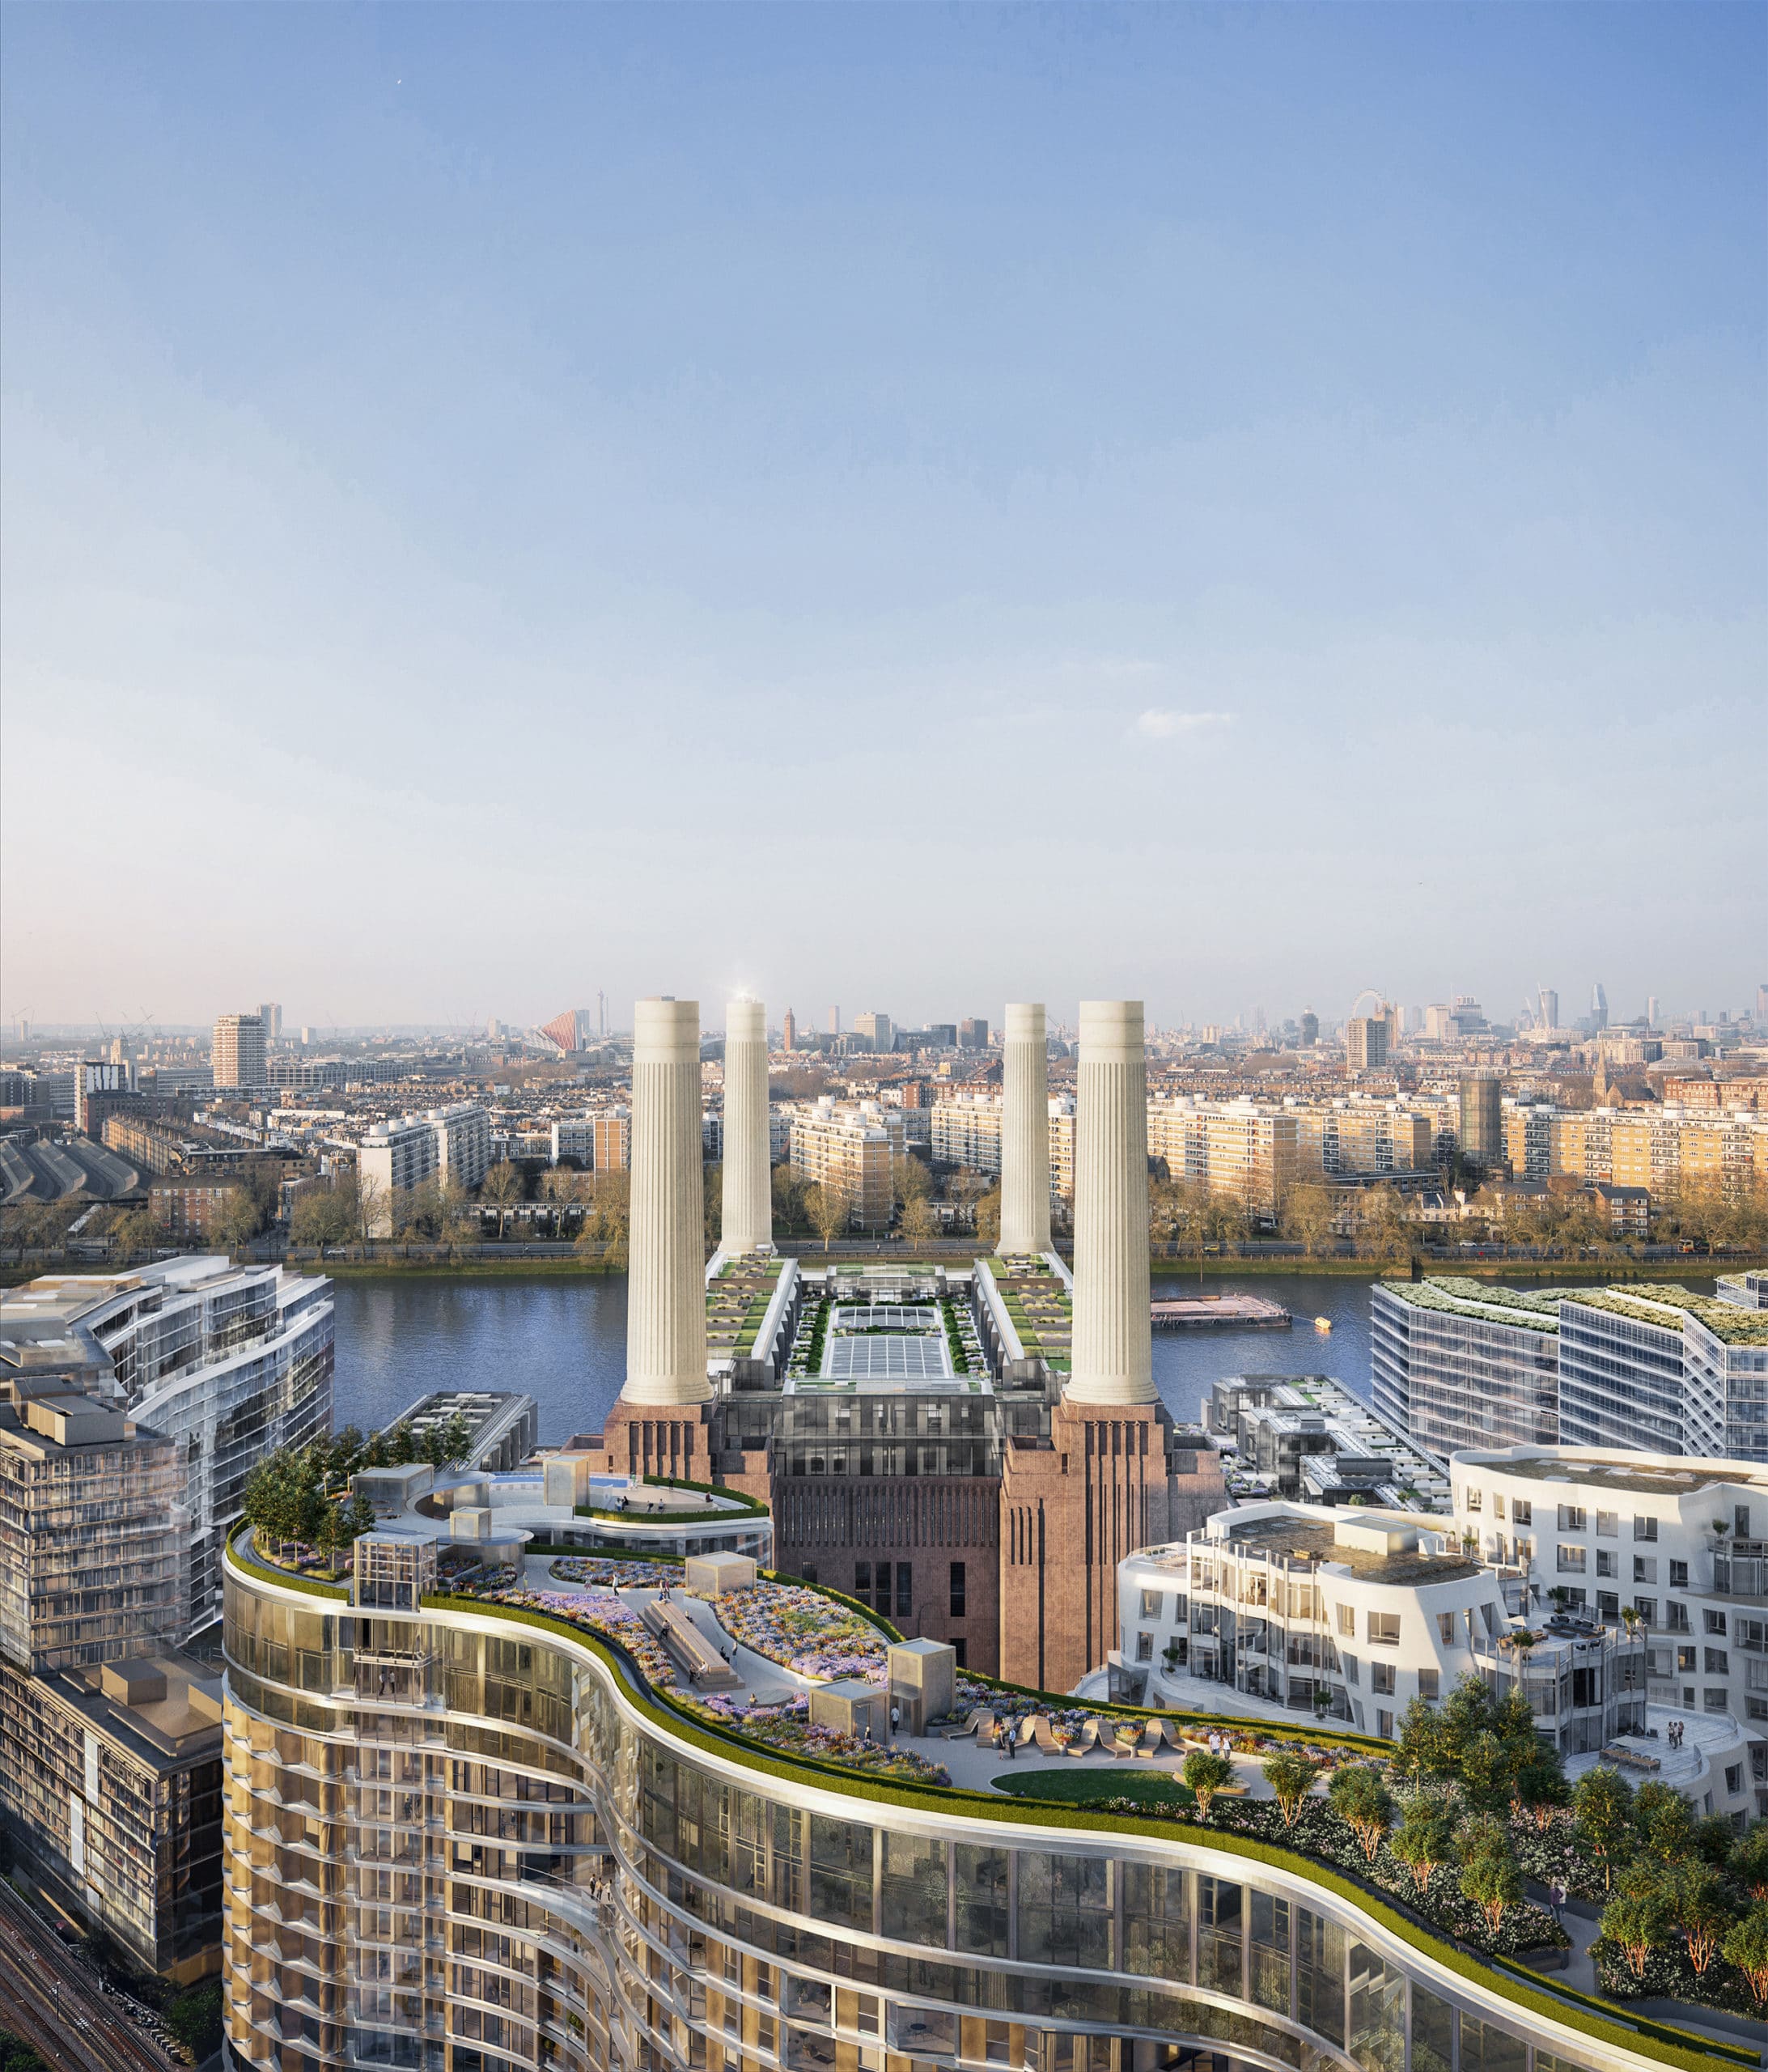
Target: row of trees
<point x="300" y="1495"/>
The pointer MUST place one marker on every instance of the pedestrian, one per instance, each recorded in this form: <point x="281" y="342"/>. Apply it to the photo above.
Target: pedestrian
<point x="896" y="1720"/>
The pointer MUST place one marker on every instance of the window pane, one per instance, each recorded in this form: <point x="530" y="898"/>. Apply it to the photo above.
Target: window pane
<point x="1377" y="2013"/>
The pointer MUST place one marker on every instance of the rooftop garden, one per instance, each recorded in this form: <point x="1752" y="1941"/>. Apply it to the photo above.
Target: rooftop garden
<point x="1432" y="1835"/>
<point x="1036" y="1302"/>
<point x="737" y="1299"/>
<point x="1502" y="1305"/>
<point x="1727" y="1322"/>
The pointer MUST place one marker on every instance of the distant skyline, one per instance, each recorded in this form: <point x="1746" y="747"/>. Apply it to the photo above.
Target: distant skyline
<point x="1218" y="506"/>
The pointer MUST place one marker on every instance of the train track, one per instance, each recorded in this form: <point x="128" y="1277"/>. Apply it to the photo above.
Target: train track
<point x="52" y="2001"/>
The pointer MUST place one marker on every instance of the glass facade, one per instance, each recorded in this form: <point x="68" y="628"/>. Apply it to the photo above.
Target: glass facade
<point x="454" y="1842"/>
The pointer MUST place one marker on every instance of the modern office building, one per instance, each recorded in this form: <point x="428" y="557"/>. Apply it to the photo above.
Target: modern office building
<point x="1460" y="1363"/>
<point x="270" y="1015"/>
<point x="463" y="1143"/>
<point x="1308" y="1438"/>
<point x="1660" y="1368"/>
<point x="392" y="1159"/>
<point x="1482" y="1120"/>
<point x="874" y="1030"/>
<point x="1550" y="1008"/>
<point x="973" y="1032"/>
<point x="236" y="1057"/>
<point x="477" y="1838"/>
<point x="1681" y="1545"/>
<point x="227" y="1362"/>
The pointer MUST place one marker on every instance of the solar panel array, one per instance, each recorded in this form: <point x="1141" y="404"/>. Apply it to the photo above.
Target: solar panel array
<point x="888" y="1359"/>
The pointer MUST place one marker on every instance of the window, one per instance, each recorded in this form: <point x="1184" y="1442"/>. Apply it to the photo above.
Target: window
<point x="1678" y="1575"/>
<point x="1608" y="1524"/>
<point x="1498" y="1503"/>
<point x="1383" y="1725"/>
<point x="1647" y="1608"/>
<point x="1144" y="1647"/>
<point x="1716" y="1701"/>
<point x="1645" y="1568"/>
<point x="1348" y="1663"/>
<point x="1384" y="1628"/>
<point x="1685" y="1662"/>
<point x="1153" y="1601"/>
<point x="1718" y="1663"/>
<point x="1430" y="1684"/>
<point x="958" y="1599"/>
<point x="1522" y="1512"/>
<point x="1571" y="1560"/>
<point x="1734" y="1779"/>
<point x="1571" y="1518"/>
<point x="1740" y="1520"/>
<point x="1752" y="1635"/>
<point x="1645" y="1528"/>
<point x="904" y="1590"/>
<point x="862" y="1581"/>
<point x="1445" y="1627"/>
<point x="1470" y="1499"/>
<point x="1347" y="1620"/>
<point x="1715" y="1622"/>
<point x="1381" y="1678"/>
<point x="1605" y="1561"/>
<point x="1607" y="1604"/>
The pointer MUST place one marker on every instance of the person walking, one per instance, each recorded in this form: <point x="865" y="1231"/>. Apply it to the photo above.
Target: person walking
<point x="896" y="1720"/>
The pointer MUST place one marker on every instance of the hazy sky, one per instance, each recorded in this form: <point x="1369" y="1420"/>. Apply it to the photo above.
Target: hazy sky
<point x="913" y="506"/>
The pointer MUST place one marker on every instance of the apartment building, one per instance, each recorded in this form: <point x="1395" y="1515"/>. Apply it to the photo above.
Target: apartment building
<point x="850" y="1149"/>
<point x="1365" y="1042"/>
<point x="1307" y="1437"/>
<point x="1676" y="1549"/>
<point x="1248" y="1152"/>
<point x="236" y="1055"/>
<point x="618" y="1897"/>
<point x="1459" y="1363"/>
<point x="965" y="1129"/>
<point x="613" y="1140"/>
<point x="1351" y="1614"/>
<point x="1359" y="1137"/>
<point x="463" y="1143"/>
<point x="227" y="1362"/>
<point x="391" y="1159"/>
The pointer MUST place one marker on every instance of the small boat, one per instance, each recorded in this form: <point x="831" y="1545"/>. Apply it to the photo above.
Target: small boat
<point x="1322" y="1323"/>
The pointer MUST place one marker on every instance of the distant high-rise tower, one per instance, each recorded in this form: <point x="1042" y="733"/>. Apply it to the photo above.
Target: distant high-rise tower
<point x="789" y="1031"/>
<point x="973" y="1032"/>
<point x="1599" y="1007"/>
<point x="1365" y="1042"/>
<point x="1761" y="1008"/>
<point x="1651" y="1010"/>
<point x="834" y="1021"/>
<point x="270" y="1014"/>
<point x="1550" y="1008"/>
<point x="1310" y="1029"/>
<point x="237" y="1057"/>
<point x="1482" y="1120"/>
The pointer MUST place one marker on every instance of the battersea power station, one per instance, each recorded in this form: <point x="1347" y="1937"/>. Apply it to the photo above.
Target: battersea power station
<point x="970" y="1450"/>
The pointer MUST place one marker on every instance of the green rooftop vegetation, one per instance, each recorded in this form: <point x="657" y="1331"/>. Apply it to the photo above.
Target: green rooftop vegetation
<point x="1728" y="1322"/>
<point x="1455" y="1296"/>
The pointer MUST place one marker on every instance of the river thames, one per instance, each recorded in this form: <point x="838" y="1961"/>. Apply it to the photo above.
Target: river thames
<point x="563" y="1341"/>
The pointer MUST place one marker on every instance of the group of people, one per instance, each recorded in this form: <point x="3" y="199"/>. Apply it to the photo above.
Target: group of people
<point x="1676" y="1730"/>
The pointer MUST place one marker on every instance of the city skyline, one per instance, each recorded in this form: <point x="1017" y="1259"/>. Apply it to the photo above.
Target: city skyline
<point x="1267" y="503"/>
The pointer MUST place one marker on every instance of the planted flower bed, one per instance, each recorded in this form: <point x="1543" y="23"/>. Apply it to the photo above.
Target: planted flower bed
<point x="596" y="1610"/>
<point x="804" y="1630"/>
<point x="786" y="1727"/>
<point x="615" y="1575"/>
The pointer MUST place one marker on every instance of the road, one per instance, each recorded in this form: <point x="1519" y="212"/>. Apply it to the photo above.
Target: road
<point x="52" y="2000"/>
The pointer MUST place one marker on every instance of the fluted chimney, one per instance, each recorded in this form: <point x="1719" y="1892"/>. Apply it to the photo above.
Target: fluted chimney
<point x="1025" y="1132"/>
<point x="666" y="1284"/>
<point x="749" y="1180"/>
<point x="1112" y="1355"/>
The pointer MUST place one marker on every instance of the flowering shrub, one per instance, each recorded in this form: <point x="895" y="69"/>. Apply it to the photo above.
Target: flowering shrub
<point x="786" y="1726"/>
<point x="596" y="1611"/>
<point x="614" y="1575"/>
<point x="1669" y="1975"/>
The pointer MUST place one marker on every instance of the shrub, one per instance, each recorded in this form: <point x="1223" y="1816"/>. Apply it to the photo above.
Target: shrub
<point x="1207" y="1775"/>
<point x="1363" y="1802"/>
<point x="1291" y="1776"/>
<point x="1746" y="1947"/>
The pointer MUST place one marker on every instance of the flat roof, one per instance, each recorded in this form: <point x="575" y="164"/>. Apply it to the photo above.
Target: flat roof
<point x="1642" y="1481"/>
<point x="1309" y="1540"/>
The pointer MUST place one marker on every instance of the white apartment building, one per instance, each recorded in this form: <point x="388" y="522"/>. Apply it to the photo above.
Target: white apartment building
<point x="392" y="1159"/>
<point x="852" y="1149"/>
<point x="463" y="1143"/>
<point x="236" y="1052"/>
<point x="1659" y="1369"/>
<point x="965" y="1129"/>
<point x="1676" y="1547"/>
<point x="1353" y="1614"/>
<point x="574" y="1139"/>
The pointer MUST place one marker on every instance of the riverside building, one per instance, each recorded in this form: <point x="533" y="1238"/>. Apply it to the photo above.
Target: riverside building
<point x="227" y="1362"/>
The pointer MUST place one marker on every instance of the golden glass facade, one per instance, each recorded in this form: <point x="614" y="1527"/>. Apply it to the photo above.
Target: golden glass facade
<point x="465" y="1842"/>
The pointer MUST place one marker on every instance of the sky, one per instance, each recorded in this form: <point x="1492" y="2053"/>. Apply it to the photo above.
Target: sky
<point x="911" y="508"/>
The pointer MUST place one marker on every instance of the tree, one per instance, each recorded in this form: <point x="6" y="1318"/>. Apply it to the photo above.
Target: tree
<point x="237" y="1221"/>
<point x="1291" y="1776"/>
<point x="195" y="2018"/>
<point x="1488" y="1770"/>
<point x="504" y="1187"/>
<point x="358" y="1519"/>
<point x="1746" y="1947"/>
<point x="1748" y="1862"/>
<point x="1663" y="1822"/>
<point x="1541" y="1787"/>
<point x="830" y="1207"/>
<point x="1364" y="1803"/>
<point x="446" y="1444"/>
<point x="1207" y="1775"/>
<point x="1697" y="1900"/>
<point x="135" y="1231"/>
<point x="323" y="1216"/>
<point x="1310" y="1218"/>
<point x="1420" y="1751"/>
<point x="919" y="1222"/>
<point x="374" y="1213"/>
<point x="988" y="1216"/>
<point x="1602" y="1815"/>
<point x="1425" y="1835"/>
<point x="1493" y="1880"/>
<point x="1636" y="1923"/>
<point x="712" y="1198"/>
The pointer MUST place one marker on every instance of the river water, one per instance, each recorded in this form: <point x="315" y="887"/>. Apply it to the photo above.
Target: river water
<point x="564" y="1342"/>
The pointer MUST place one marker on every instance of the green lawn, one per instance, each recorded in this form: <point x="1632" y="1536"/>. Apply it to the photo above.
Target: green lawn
<point x="1086" y="1787"/>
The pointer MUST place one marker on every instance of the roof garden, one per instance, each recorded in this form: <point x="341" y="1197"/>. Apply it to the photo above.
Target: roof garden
<point x="1036" y="1302"/>
<point x="1667" y="1303"/>
<point x="737" y="1300"/>
<point x="1454" y="1295"/>
<point x="1095" y="1766"/>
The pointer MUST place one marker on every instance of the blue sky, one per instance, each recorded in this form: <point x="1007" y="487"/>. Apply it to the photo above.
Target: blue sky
<point x="910" y="507"/>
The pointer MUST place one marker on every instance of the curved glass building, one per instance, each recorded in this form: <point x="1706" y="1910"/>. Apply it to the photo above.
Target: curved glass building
<point x="467" y="1837"/>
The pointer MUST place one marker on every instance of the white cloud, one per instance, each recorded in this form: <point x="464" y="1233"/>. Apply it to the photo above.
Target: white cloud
<point x="1157" y="724"/>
